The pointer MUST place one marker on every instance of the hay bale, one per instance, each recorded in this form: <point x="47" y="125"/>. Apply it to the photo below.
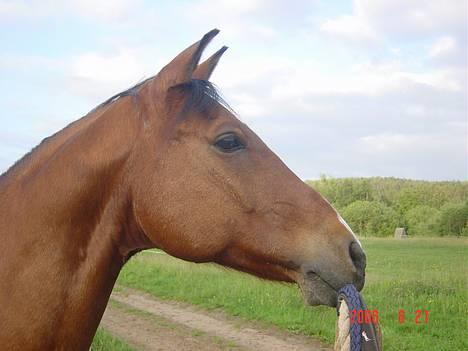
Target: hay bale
<point x="400" y="233"/>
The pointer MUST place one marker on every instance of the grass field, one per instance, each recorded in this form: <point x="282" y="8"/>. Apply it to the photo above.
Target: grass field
<point x="103" y="341"/>
<point x="409" y="275"/>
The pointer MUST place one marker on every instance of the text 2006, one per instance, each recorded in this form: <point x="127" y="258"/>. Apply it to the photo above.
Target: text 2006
<point x="364" y="316"/>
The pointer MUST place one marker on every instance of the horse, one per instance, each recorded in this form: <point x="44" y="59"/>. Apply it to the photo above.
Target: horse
<point x="165" y="164"/>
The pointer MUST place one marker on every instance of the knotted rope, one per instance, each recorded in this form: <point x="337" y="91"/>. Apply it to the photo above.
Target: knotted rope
<point x="355" y="335"/>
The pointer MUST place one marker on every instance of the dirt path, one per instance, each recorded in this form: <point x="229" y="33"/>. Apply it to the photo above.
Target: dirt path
<point x="150" y="324"/>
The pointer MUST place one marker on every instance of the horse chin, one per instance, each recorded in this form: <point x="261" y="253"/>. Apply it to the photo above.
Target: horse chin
<point x="317" y="292"/>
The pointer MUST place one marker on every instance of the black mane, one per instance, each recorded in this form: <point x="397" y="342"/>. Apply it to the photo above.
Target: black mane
<point x="200" y="95"/>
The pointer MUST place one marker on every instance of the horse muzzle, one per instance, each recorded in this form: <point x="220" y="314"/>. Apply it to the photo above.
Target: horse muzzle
<point x="321" y="282"/>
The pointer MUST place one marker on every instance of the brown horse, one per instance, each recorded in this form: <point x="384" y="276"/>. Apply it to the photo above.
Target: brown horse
<point x="165" y="164"/>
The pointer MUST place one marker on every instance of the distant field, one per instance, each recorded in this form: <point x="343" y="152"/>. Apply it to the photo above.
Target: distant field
<point x="413" y="274"/>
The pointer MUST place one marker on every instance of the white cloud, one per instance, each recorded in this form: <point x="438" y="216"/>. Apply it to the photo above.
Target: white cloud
<point x="14" y="9"/>
<point x="102" y="9"/>
<point x="211" y="8"/>
<point x="442" y="47"/>
<point x="112" y="68"/>
<point x="99" y="10"/>
<point x="99" y="75"/>
<point x="446" y="50"/>
<point x="439" y="155"/>
<point x="395" y="18"/>
<point x="390" y="143"/>
<point x="30" y="63"/>
<point x="354" y="28"/>
<point x="416" y="110"/>
<point x="248" y="105"/>
<point x="237" y="18"/>
<point x="366" y="79"/>
<point x="416" y="17"/>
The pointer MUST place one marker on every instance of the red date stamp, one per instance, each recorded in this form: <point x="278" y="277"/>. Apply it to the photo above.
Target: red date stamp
<point x="363" y="316"/>
<point x="418" y="317"/>
<point x="372" y="316"/>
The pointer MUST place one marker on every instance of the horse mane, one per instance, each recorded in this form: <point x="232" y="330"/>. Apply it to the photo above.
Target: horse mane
<point x="133" y="91"/>
<point x="200" y="95"/>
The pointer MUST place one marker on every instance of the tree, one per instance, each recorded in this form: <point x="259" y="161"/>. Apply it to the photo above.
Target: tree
<point x="409" y="198"/>
<point x="397" y="198"/>
<point x="453" y="219"/>
<point x="423" y="220"/>
<point x="371" y="218"/>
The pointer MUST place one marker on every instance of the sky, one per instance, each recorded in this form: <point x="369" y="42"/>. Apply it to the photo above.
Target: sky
<point x="343" y="88"/>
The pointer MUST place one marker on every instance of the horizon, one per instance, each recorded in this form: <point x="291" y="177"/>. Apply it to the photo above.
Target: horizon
<point x="389" y="177"/>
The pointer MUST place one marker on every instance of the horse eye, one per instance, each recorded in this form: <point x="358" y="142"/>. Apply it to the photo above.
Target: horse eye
<point x="229" y="143"/>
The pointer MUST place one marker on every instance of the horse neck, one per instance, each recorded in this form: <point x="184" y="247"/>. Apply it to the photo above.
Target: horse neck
<point x="67" y="228"/>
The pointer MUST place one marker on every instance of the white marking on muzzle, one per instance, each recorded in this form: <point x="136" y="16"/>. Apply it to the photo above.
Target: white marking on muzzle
<point x="344" y="223"/>
<point x="347" y="227"/>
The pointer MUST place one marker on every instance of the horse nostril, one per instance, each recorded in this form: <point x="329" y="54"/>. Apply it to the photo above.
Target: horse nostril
<point x="359" y="260"/>
<point x="357" y="256"/>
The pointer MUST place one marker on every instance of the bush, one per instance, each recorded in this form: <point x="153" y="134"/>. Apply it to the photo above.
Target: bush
<point x="423" y="220"/>
<point x="465" y="231"/>
<point x="371" y="218"/>
<point x="453" y="219"/>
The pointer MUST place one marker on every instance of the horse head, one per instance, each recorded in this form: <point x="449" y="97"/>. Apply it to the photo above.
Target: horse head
<point x="205" y="188"/>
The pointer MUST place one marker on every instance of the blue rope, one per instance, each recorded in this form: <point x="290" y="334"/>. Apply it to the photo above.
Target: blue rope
<point x="353" y="299"/>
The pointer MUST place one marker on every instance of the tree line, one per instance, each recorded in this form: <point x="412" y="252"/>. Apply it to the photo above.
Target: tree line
<point x="376" y="206"/>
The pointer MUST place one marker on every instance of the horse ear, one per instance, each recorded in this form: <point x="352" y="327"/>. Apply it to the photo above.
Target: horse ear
<point x="205" y="69"/>
<point x="181" y="68"/>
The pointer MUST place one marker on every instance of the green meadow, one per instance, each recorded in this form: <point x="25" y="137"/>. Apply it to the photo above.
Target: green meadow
<point x="413" y="274"/>
<point x="103" y="341"/>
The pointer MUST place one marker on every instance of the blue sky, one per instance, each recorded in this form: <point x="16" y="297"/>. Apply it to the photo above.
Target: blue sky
<point x="345" y="88"/>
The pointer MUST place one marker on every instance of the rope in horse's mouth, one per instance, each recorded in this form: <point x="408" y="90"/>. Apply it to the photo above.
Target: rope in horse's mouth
<point x="356" y="330"/>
